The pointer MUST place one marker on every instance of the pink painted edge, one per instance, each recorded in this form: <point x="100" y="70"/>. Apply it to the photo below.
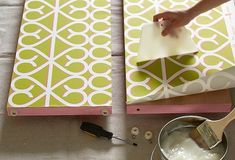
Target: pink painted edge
<point x="56" y="111"/>
<point x="171" y="109"/>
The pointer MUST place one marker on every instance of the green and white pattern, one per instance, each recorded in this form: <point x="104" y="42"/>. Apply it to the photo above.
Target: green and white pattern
<point x="64" y="55"/>
<point x="213" y="32"/>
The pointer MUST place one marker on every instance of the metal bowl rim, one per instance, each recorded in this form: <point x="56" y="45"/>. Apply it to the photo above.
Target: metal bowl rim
<point x="190" y="116"/>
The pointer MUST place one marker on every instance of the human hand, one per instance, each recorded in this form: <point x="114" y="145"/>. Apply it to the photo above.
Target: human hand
<point x="175" y="20"/>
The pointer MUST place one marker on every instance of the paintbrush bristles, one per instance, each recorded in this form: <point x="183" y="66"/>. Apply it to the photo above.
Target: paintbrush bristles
<point x="195" y="135"/>
<point x="204" y="136"/>
<point x="210" y="132"/>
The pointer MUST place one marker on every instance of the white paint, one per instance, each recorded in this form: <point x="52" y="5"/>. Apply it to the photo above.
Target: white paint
<point x="179" y="146"/>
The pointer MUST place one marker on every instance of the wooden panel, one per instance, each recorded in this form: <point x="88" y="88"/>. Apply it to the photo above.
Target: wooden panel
<point x="209" y="102"/>
<point x="63" y="59"/>
<point x="179" y="75"/>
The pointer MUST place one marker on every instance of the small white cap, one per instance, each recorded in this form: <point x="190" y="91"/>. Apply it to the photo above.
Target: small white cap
<point x="135" y="131"/>
<point x="148" y="135"/>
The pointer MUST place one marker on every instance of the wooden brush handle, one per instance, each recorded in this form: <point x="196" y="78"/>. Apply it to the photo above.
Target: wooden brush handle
<point x="226" y="120"/>
<point x="218" y="126"/>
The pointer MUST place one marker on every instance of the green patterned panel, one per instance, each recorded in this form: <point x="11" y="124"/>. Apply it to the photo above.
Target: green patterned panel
<point x="209" y="32"/>
<point x="63" y="56"/>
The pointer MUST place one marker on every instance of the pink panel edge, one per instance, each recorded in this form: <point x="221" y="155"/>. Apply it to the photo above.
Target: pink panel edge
<point x="171" y="109"/>
<point x="57" y="111"/>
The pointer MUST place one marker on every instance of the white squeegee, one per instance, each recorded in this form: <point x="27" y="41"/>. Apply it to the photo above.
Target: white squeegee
<point x="154" y="46"/>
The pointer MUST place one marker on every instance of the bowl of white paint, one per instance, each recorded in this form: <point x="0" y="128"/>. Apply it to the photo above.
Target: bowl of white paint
<point x="175" y="143"/>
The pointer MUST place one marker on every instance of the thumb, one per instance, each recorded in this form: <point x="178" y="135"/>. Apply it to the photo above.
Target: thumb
<point x="170" y="28"/>
<point x="167" y="30"/>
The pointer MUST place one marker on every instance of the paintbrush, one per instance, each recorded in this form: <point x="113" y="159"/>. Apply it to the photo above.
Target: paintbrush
<point x="208" y="134"/>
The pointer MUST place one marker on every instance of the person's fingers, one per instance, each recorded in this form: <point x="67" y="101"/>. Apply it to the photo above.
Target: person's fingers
<point x="164" y="15"/>
<point x="168" y="30"/>
<point x="165" y="32"/>
<point x="171" y="27"/>
<point x="174" y="34"/>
